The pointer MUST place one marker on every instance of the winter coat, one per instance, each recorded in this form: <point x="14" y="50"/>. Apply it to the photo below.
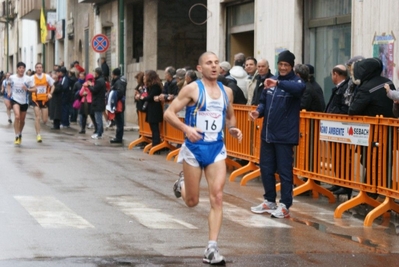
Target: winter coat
<point x="98" y="95"/>
<point x="240" y="75"/>
<point x="370" y="98"/>
<point x="337" y="104"/>
<point x="154" y="109"/>
<point x="55" y="109"/>
<point x="280" y="107"/>
<point x="310" y="99"/>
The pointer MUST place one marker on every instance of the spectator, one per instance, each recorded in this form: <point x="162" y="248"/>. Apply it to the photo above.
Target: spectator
<point x="98" y="102"/>
<point x="139" y="90"/>
<point x="105" y="68"/>
<point x="225" y="68"/>
<point x="337" y="105"/>
<point x="393" y="94"/>
<point x="350" y="90"/>
<point x="370" y="97"/>
<point x="154" y="114"/>
<point x="263" y="74"/>
<point x="55" y="110"/>
<point x="180" y="78"/>
<point x="279" y="105"/>
<point x="251" y="68"/>
<point x="239" y="74"/>
<point x="310" y="99"/>
<point x="76" y="90"/>
<point x="118" y="85"/>
<point x="316" y="86"/>
<point x="86" y="99"/>
<point x="170" y="88"/>
<point x="78" y="67"/>
<point x="191" y="76"/>
<point x="65" y="97"/>
<point x="72" y="80"/>
<point x="238" y="95"/>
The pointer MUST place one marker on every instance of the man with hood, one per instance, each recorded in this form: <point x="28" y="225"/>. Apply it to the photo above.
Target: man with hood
<point x="118" y="85"/>
<point x="279" y="105"/>
<point x="239" y="74"/>
<point x="370" y="98"/>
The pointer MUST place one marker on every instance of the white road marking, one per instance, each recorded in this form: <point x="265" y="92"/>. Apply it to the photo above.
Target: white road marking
<point x="149" y="217"/>
<point x="246" y="218"/>
<point x="52" y="213"/>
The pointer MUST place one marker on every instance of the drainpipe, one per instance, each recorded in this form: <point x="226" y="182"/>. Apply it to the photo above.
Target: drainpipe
<point x="121" y="35"/>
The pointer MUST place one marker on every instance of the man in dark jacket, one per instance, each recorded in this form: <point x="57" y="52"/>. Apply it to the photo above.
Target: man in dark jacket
<point x="238" y="95"/>
<point x="263" y="74"/>
<point x="337" y="104"/>
<point x="170" y="89"/>
<point x="66" y="98"/>
<point x="118" y="84"/>
<point x="98" y="102"/>
<point x="370" y="97"/>
<point x="279" y="105"/>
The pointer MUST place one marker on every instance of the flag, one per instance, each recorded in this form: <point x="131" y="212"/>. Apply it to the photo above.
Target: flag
<point x="43" y="27"/>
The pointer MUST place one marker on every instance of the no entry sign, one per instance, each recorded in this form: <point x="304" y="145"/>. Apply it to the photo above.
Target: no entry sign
<point x="100" y="43"/>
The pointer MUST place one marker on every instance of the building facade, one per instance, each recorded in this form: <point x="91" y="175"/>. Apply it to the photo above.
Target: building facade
<point x="154" y="34"/>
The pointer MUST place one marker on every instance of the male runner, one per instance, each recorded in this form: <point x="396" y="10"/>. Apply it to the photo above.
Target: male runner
<point x="17" y="90"/>
<point x="208" y="109"/>
<point x="40" y="97"/>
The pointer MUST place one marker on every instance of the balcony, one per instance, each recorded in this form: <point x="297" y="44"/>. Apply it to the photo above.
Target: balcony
<point x="31" y="9"/>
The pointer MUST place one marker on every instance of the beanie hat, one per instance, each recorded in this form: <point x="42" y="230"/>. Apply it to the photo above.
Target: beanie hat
<point x="286" y="56"/>
<point x="116" y="72"/>
<point x="225" y="66"/>
<point x="311" y="69"/>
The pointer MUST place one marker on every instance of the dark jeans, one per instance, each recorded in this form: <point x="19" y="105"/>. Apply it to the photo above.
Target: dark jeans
<point x="84" y="122"/>
<point x="277" y="158"/>
<point x="156" y="136"/>
<point x="120" y="124"/>
<point x="65" y="113"/>
<point x="74" y="114"/>
<point x="98" y="115"/>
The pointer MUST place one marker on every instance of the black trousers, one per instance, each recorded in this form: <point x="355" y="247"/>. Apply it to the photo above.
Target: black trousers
<point x="156" y="136"/>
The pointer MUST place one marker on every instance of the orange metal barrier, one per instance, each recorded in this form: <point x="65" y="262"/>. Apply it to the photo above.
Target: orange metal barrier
<point x="144" y="131"/>
<point x="388" y="171"/>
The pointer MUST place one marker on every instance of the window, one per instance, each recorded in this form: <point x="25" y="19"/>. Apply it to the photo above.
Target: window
<point x="138" y="31"/>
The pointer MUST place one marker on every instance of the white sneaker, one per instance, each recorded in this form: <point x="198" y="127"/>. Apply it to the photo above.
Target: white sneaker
<point x="263" y="207"/>
<point x="281" y="212"/>
<point x="213" y="257"/>
<point x="94" y="136"/>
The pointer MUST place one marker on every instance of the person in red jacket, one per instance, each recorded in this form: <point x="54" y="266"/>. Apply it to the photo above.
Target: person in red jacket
<point x="78" y="67"/>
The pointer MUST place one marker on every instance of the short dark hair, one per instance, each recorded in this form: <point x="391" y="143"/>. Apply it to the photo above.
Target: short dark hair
<point x="99" y="71"/>
<point x="21" y="64"/>
<point x="251" y="58"/>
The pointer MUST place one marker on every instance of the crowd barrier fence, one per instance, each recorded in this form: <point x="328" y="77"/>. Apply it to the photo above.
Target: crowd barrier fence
<point x="370" y="166"/>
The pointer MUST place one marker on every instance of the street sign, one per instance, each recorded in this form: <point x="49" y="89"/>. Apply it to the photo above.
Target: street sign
<point x="100" y="43"/>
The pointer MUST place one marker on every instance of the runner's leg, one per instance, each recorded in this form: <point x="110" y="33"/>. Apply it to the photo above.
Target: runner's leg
<point x="190" y="188"/>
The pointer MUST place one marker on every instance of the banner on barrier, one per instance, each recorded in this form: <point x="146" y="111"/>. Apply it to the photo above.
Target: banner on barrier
<point x="345" y="132"/>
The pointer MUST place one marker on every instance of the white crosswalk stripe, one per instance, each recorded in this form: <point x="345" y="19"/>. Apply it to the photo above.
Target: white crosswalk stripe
<point x="246" y="218"/>
<point x="52" y="213"/>
<point x="149" y="217"/>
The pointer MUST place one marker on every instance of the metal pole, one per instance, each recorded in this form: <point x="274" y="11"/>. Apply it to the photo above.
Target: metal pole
<point x="121" y="35"/>
<point x="43" y="45"/>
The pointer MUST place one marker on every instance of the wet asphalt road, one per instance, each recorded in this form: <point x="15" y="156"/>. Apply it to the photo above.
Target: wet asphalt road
<point x="74" y="201"/>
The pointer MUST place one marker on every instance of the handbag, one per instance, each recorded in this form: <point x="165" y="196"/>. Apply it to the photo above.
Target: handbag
<point x="77" y="104"/>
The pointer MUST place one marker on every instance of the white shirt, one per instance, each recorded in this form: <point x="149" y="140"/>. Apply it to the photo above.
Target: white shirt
<point x="18" y="94"/>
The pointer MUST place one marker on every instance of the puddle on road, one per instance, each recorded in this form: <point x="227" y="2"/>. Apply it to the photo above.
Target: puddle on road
<point x="323" y="228"/>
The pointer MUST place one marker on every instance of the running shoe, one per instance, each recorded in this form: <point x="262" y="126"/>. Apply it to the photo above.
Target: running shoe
<point x="281" y="212"/>
<point x="17" y="141"/>
<point x="94" y="136"/>
<point x="213" y="257"/>
<point x="9" y="121"/>
<point x="20" y="138"/>
<point x="39" y="138"/>
<point x="177" y="185"/>
<point x="265" y="206"/>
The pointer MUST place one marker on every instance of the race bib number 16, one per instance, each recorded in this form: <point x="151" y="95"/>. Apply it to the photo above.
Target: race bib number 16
<point x="210" y="121"/>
